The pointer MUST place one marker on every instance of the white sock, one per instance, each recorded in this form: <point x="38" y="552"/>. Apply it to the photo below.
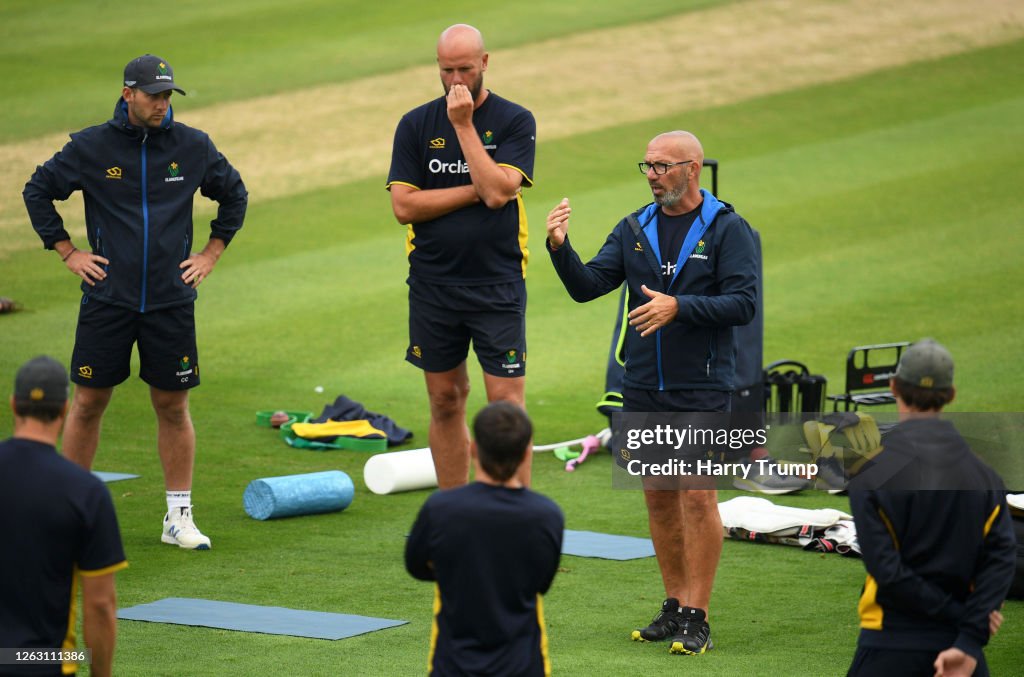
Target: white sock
<point x="178" y="499"/>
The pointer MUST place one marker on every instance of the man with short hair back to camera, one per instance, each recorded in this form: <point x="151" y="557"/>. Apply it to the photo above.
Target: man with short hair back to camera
<point x="493" y="548"/>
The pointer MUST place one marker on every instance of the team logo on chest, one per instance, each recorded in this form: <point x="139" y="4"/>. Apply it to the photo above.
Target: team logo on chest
<point x="173" y="171"/>
<point x="488" y="140"/>
<point x="698" y="253"/>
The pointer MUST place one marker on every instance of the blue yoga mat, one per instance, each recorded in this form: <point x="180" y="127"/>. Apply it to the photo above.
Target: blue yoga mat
<point x="290" y="495"/>
<point x="113" y="476"/>
<point x="271" y="620"/>
<point x="605" y="546"/>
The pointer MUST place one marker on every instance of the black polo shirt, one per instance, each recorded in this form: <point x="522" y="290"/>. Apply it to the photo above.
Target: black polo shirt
<point x="493" y="552"/>
<point x="475" y="245"/>
<point x="57" y="521"/>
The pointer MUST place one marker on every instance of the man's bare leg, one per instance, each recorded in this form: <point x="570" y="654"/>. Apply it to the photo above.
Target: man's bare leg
<point x="702" y="533"/>
<point x="82" y="428"/>
<point x="449" y="435"/>
<point x="511" y="390"/>
<point x="176" y="442"/>
<point x="665" y="516"/>
<point x="176" y="438"/>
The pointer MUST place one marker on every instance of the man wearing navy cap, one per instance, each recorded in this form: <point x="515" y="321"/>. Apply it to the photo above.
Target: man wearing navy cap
<point x="939" y="563"/>
<point x="63" y="523"/>
<point x="139" y="173"/>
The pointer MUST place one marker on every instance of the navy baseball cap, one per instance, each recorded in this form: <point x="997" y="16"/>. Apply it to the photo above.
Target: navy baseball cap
<point x="151" y="74"/>
<point x="41" y="379"/>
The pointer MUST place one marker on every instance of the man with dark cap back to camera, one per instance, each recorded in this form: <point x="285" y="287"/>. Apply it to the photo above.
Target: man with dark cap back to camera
<point x="939" y="563"/>
<point x="59" y="522"/>
<point x="139" y="173"/>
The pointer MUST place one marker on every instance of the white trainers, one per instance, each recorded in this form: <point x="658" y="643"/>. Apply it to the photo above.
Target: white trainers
<point x="180" y="530"/>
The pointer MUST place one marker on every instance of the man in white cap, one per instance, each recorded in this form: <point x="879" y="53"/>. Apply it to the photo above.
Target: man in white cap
<point x="939" y="563"/>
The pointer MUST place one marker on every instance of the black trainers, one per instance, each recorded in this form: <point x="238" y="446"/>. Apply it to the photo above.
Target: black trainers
<point x="694" y="635"/>
<point x="665" y="624"/>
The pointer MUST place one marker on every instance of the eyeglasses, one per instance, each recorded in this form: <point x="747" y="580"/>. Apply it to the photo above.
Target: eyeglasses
<point x="659" y="167"/>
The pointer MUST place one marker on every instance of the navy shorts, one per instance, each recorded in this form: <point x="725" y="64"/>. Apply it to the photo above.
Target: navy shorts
<point x="675" y="401"/>
<point x="444" y="320"/>
<point x="874" y="662"/>
<point x="105" y="336"/>
<point x="705" y="409"/>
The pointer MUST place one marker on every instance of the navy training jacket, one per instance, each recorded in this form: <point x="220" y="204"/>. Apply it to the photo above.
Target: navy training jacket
<point x="138" y="187"/>
<point x="716" y="290"/>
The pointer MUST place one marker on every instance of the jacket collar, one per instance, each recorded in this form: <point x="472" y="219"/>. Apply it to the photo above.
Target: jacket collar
<point x="648" y="216"/>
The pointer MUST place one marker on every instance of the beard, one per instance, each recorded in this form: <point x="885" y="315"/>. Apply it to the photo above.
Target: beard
<point x="474" y="89"/>
<point x="669" y="198"/>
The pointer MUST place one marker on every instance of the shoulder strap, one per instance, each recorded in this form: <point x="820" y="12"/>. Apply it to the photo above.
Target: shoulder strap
<point x="634" y="224"/>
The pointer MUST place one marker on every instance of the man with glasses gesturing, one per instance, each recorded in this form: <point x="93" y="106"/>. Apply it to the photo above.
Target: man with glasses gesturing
<point x="690" y="266"/>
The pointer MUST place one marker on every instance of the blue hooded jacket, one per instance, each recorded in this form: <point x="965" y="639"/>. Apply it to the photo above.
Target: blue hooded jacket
<point x="715" y="287"/>
<point x="138" y="186"/>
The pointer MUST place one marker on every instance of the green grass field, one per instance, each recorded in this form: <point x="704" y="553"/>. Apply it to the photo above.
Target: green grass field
<point x="888" y="204"/>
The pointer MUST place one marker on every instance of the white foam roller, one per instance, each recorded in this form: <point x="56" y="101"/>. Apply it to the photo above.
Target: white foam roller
<point x="400" y="471"/>
<point x="307" y="494"/>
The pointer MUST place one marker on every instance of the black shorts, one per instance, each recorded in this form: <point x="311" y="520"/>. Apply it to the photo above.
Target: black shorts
<point x="105" y="335"/>
<point x="874" y="662"/>
<point x="748" y="413"/>
<point x="444" y="320"/>
<point x="635" y="400"/>
<point x="650" y="409"/>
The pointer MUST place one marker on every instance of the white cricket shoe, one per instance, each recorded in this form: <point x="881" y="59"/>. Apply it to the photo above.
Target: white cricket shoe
<point x="180" y="530"/>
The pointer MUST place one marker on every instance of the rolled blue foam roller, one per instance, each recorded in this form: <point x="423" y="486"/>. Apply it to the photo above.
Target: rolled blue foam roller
<point x="290" y="495"/>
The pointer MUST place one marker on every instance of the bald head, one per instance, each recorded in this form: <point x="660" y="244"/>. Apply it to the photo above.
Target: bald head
<point x="461" y="37"/>
<point x="685" y="145"/>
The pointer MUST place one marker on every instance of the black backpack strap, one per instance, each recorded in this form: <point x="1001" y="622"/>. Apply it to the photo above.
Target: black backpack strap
<point x="634" y="225"/>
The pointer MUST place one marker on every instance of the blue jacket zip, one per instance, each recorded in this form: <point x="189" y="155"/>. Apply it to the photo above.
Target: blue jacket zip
<point x="145" y="226"/>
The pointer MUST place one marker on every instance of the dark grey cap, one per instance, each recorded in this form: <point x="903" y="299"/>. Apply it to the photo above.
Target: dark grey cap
<point x="926" y="364"/>
<point x="41" y="379"/>
<point x="151" y="74"/>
